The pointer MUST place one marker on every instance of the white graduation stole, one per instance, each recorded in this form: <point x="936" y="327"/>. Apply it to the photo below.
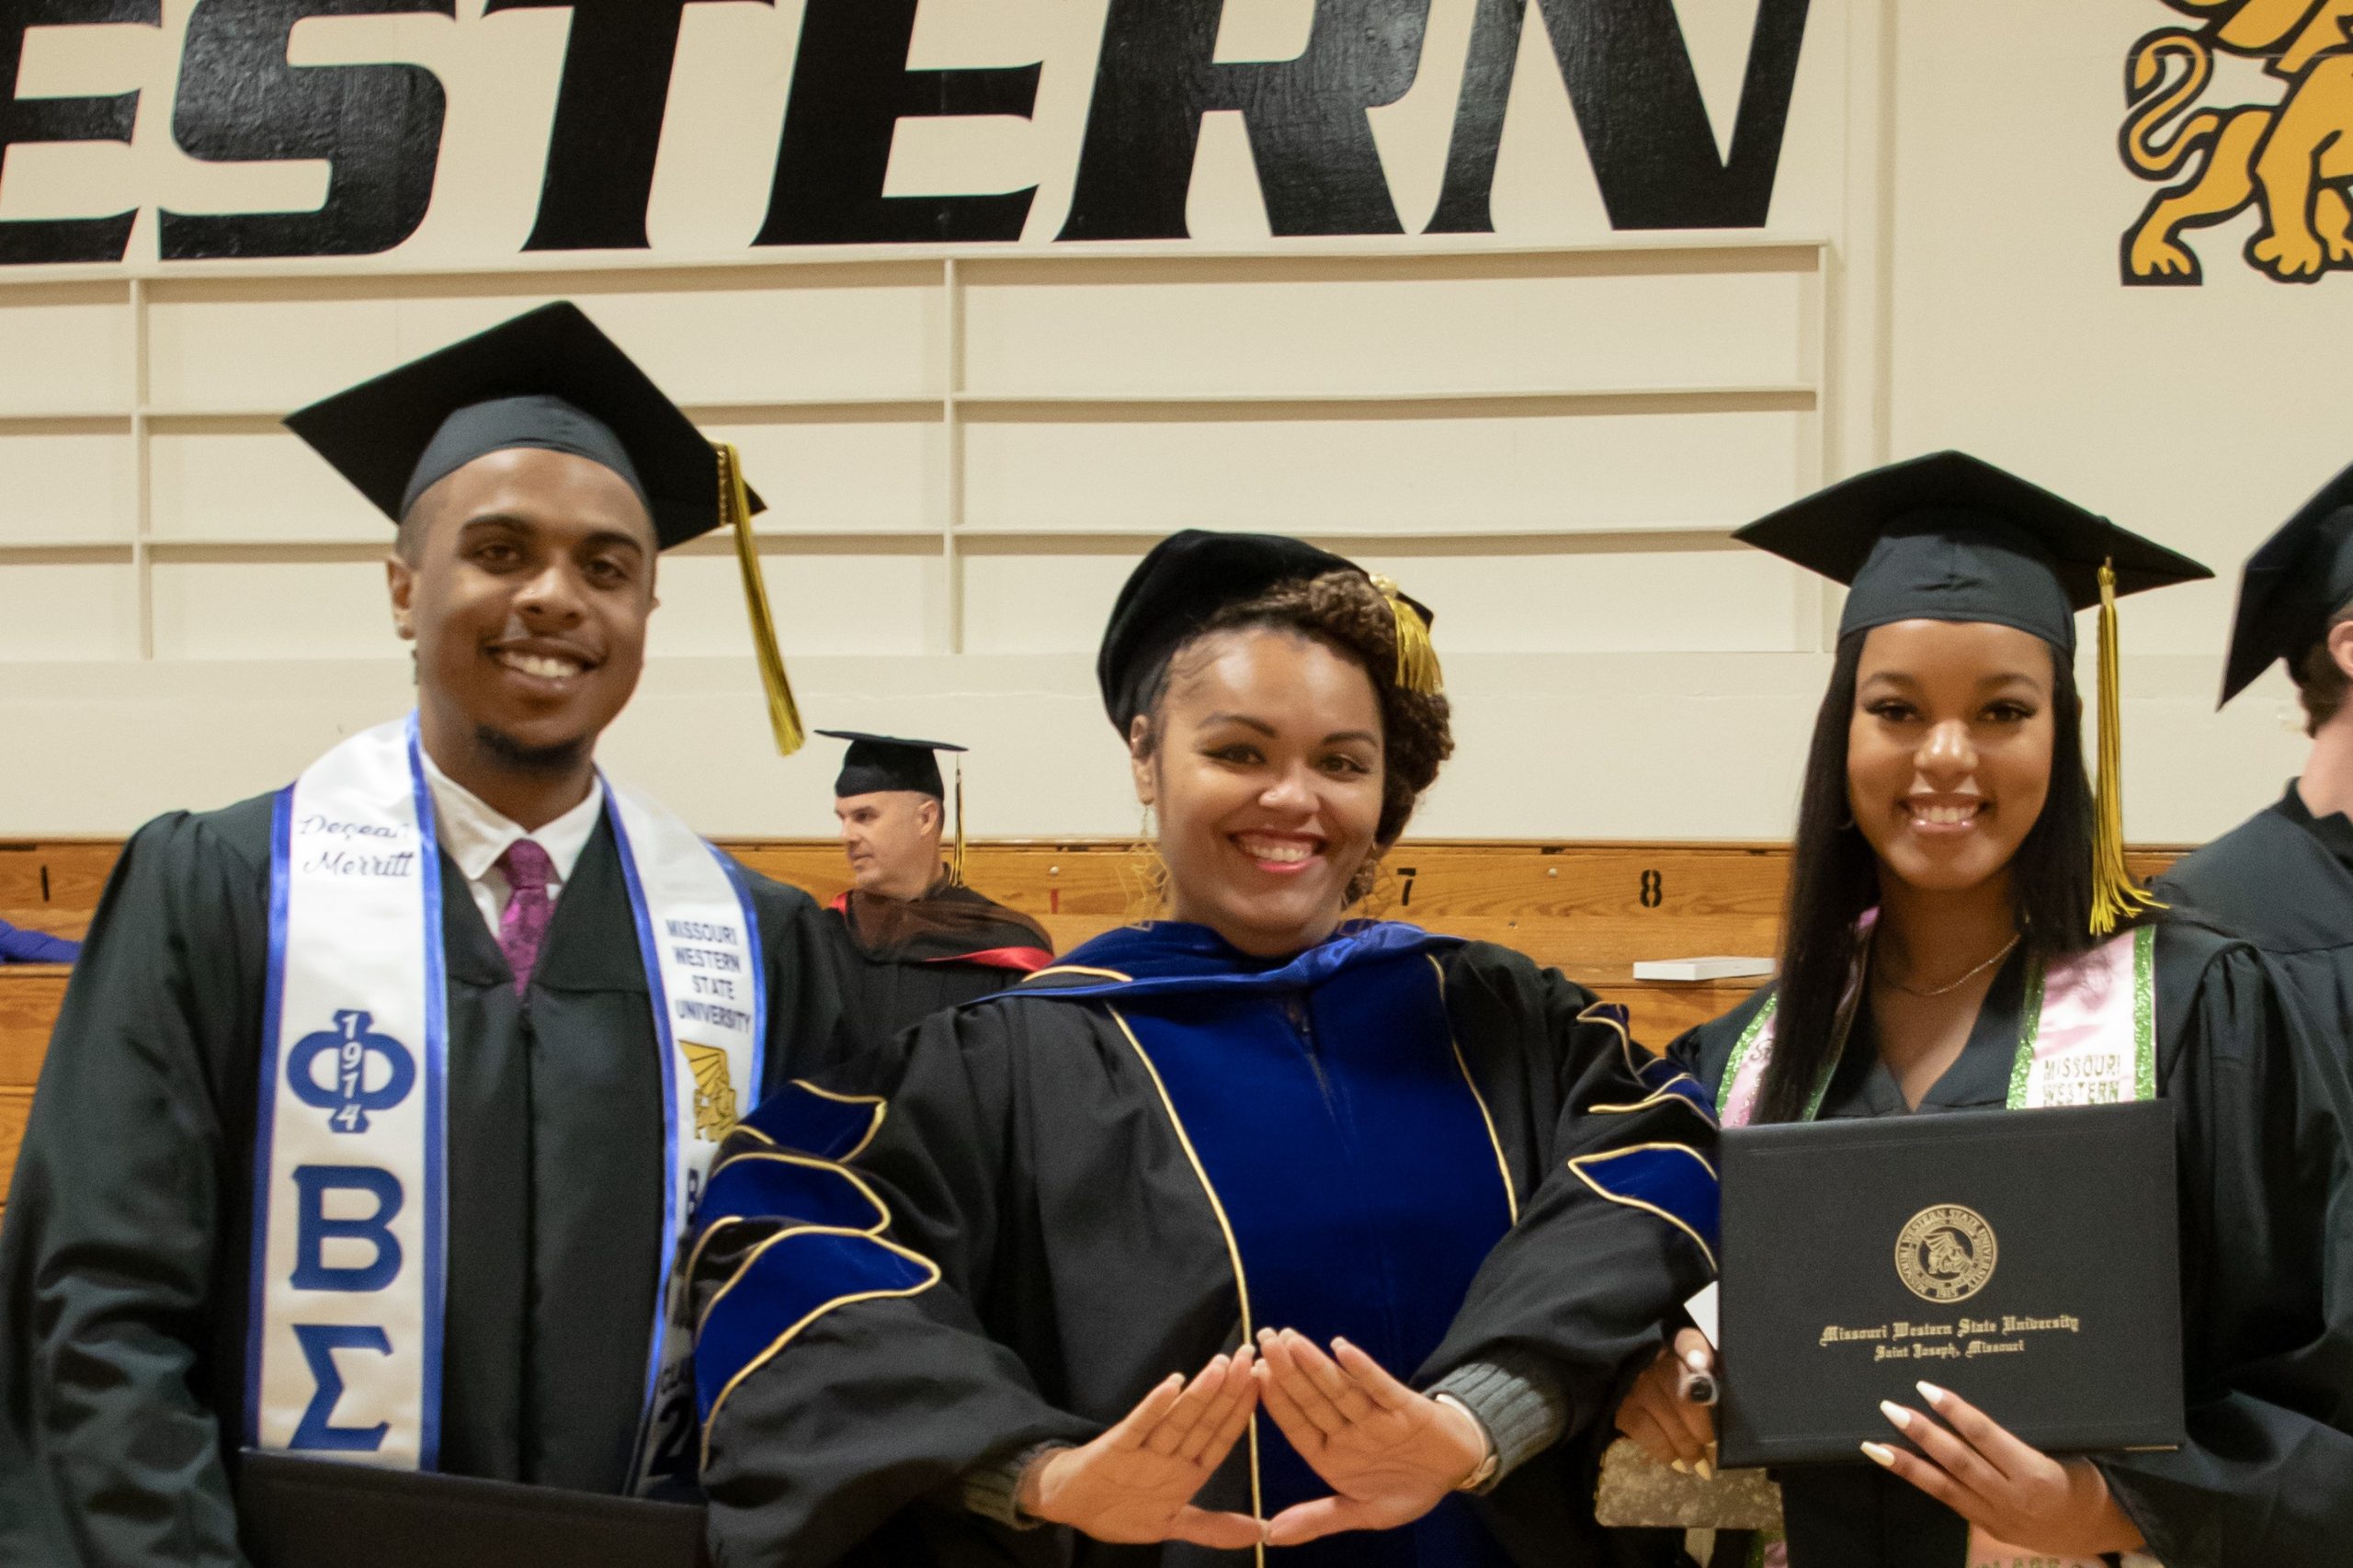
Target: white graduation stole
<point x="350" y="1195"/>
<point x="2087" y="1036"/>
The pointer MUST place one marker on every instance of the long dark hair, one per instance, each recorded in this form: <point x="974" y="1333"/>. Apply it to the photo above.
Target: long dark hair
<point x="1834" y="877"/>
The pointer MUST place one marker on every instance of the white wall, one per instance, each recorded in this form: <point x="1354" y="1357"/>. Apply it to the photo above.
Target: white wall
<point x="1546" y="433"/>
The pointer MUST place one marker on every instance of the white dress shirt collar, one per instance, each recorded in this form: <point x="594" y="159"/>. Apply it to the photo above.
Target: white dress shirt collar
<point x="475" y="835"/>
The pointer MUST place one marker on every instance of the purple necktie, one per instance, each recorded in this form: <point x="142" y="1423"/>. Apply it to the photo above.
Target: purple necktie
<point x="525" y="924"/>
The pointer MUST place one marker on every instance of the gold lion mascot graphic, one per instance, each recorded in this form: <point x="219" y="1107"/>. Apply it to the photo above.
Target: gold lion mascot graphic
<point x="2293" y="158"/>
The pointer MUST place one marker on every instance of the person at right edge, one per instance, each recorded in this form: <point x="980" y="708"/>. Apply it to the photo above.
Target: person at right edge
<point x="2283" y="878"/>
<point x="1251" y="1213"/>
<point x="1952" y="861"/>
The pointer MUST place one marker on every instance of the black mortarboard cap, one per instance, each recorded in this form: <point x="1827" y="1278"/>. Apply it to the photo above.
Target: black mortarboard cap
<point x="548" y="379"/>
<point x="2293" y="585"/>
<point x="1949" y="537"/>
<point x="1185" y="579"/>
<point x="876" y="763"/>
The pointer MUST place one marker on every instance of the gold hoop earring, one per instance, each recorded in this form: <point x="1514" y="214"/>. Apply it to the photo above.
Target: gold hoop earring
<point x="1146" y="874"/>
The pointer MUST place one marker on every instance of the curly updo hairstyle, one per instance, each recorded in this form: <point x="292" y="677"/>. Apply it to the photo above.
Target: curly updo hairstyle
<point x="1345" y="612"/>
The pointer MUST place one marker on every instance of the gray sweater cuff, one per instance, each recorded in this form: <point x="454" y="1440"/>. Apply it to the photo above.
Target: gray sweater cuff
<point x="1520" y="1407"/>
<point x="994" y="1490"/>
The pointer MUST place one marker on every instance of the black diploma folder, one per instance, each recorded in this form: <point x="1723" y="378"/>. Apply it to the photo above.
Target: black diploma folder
<point x="306" y="1513"/>
<point x="2029" y="1261"/>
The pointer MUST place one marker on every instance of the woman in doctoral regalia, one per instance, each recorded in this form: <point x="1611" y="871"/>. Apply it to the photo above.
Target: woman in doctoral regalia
<point x="1250" y="1214"/>
<point x="1962" y="935"/>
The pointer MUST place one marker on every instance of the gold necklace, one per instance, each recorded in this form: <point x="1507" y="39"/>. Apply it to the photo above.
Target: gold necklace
<point x="1947" y="989"/>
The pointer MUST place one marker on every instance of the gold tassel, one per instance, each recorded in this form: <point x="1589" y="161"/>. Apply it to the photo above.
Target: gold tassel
<point x="955" y="859"/>
<point x="1417" y="667"/>
<point x="735" y="508"/>
<point x="2115" y="897"/>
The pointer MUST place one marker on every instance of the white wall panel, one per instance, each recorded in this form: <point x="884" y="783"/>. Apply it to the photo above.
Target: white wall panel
<point x="1307" y="471"/>
<point x="61" y="610"/>
<point x="66" y="349"/>
<point x="261" y="609"/>
<point x="1452" y="323"/>
<point x="65" y="483"/>
<point x="823" y="603"/>
<point x="252" y="480"/>
<point x="966" y="448"/>
<point x="828" y="476"/>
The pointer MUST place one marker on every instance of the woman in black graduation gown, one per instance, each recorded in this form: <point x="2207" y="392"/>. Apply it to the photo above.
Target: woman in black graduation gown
<point x="930" y="1326"/>
<point x="1946" y="787"/>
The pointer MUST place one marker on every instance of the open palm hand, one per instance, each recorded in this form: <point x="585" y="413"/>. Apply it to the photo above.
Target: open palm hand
<point x="1136" y="1483"/>
<point x="1388" y="1454"/>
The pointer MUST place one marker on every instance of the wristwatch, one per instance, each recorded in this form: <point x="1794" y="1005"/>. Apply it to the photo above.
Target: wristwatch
<point x="1489" y="1461"/>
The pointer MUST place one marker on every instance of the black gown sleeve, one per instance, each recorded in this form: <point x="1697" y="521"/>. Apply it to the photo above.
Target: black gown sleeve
<point x="1620" y="1227"/>
<point x="876" y="1390"/>
<point x="812" y="1029"/>
<point x="109" y="1268"/>
<point x="2266" y="1480"/>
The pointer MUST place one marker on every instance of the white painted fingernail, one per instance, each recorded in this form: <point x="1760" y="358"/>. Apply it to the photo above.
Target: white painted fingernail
<point x="1933" y="1394"/>
<point x="1697" y="1360"/>
<point x="1880" y="1453"/>
<point x="1705" y="1471"/>
<point x="1896" y="1412"/>
<point x="1679" y="1467"/>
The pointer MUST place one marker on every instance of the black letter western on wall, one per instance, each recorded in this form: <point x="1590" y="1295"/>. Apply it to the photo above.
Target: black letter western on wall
<point x="608" y="121"/>
<point x="850" y="87"/>
<point x="1318" y="165"/>
<point x="378" y="126"/>
<point x="1639" y="107"/>
<point x="30" y="241"/>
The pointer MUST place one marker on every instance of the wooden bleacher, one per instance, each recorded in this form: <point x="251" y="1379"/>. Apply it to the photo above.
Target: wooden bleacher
<point x="1593" y="909"/>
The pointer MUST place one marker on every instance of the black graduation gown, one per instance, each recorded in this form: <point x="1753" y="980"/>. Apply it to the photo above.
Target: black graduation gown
<point x="123" y="1262"/>
<point x="2283" y="879"/>
<point x="2266" y="1478"/>
<point x="952" y="945"/>
<point x="1028" y="1153"/>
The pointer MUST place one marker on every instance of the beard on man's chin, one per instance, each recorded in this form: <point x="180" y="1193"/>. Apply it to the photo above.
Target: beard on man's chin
<point x="560" y="757"/>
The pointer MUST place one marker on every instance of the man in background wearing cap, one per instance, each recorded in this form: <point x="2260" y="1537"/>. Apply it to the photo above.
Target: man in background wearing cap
<point x="915" y="939"/>
<point x="2283" y="878"/>
<point x="377" y="1105"/>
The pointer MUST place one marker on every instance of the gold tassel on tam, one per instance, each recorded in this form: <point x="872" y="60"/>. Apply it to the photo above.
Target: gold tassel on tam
<point x="735" y="508"/>
<point x="956" y="858"/>
<point x="2115" y="898"/>
<point x="1417" y="667"/>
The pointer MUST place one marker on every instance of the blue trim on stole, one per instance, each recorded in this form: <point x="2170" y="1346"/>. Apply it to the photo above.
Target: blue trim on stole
<point x="437" y="1080"/>
<point x="281" y="831"/>
<point x="1330" y="1110"/>
<point x="735" y="874"/>
<point x="650" y="961"/>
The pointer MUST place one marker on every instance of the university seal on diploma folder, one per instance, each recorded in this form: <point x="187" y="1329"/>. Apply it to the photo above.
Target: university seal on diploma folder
<point x="1946" y="1253"/>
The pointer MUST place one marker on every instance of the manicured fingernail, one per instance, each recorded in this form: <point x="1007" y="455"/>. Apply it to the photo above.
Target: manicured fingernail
<point x="1933" y="1394"/>
<point x="1705" y="1471"/>
<point x="1679" y="1467"/>
<point x="1880" y="1453"/>
<point x="1897" y="1413"/>
<point x="1697" y="1360"/>
<point x="1339" y="1344"/>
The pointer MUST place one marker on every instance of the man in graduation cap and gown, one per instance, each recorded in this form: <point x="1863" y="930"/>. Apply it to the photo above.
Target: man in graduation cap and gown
<point x="916" y="937"/>
<point x="2283" y="878"/>
<point x="377" y="1105"/>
